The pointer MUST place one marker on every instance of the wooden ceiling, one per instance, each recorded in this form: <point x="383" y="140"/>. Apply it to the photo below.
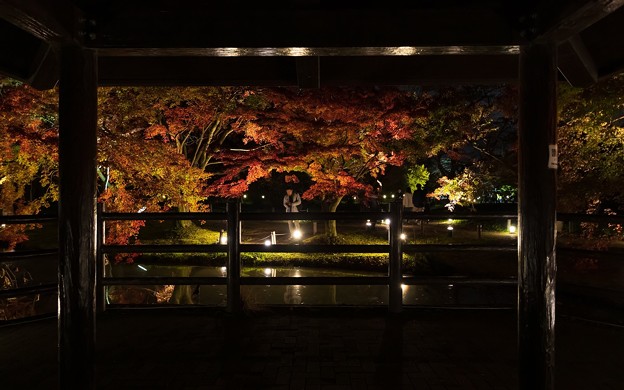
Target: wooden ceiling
<point x="309" y="43"/>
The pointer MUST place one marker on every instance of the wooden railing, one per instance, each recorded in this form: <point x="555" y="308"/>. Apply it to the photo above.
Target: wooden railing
<point x="234" y="248"/>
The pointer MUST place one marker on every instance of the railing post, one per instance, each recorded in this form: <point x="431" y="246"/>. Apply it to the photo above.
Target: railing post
<point x="233" y="265"/>
<point x="100" y="292"/>
<point x="395" y="292"/>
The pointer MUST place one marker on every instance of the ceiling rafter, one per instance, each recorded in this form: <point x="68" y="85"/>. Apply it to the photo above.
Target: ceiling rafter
<point x="558" y="23"/>
<point x="50" y="21"/>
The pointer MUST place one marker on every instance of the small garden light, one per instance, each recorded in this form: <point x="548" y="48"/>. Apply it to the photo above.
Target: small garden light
<point x="512" y="229"/>
<point x="222" y="238"/>
<point x="403" y="236"/>
<point x="449" y="229"/>
<point x="387" y="221"/>
<point x="369" y="223"/>
<point x="297" y="234"/>
<point x="267" y="242"/>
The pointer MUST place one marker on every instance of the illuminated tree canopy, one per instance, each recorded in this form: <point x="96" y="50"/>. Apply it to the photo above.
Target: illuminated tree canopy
<point x="164" y="148"/>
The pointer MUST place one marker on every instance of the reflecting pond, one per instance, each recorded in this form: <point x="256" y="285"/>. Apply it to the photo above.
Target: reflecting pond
<point x="361" y="295"/>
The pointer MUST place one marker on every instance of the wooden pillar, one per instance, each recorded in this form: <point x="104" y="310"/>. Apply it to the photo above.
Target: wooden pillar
<point x="233" y="265"/>
<point x="537" y="216"/>
<point x="395" y="292"/>
<point x="77" y="172"/>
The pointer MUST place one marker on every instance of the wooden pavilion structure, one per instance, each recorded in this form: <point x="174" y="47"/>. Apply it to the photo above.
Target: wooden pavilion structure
<point x="309" y="43"/>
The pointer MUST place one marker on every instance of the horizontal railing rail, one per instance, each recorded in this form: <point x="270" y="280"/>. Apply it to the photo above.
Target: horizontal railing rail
<point x="389" y="280"/>
<point x="6" y="257"/>
<point x="234" y="247"/>
<point x="30" y="290"/>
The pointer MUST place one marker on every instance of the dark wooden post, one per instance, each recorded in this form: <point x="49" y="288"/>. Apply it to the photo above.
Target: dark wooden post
<point x="537" y="216"/>
<point x="100" y="262"/>
<point x="395" y="292"/>
<point x="77" y="172"/>
<point x="233" y="265"/>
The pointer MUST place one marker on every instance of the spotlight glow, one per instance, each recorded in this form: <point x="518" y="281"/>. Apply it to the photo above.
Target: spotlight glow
<point x="267" y="242"/>
<point x="512" y="229"/>
<point x="449" y="228"/>
<point x="387" y="221"/>
<point x="297" y="234"/>
<point x="403" y="236"/>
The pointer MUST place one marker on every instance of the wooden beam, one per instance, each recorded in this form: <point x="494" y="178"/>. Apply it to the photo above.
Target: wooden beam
<point x="575" y="63"/>
<point x="51" y="21"/>
<point x="282" y="71"/>
<point x="154" y="25"/>
<point x="77" y="208"/>
<point x="27" y="58"/>
<point x="561" y="21"/>
<point x="537" y="171"/>
<point x="353" y="51"/>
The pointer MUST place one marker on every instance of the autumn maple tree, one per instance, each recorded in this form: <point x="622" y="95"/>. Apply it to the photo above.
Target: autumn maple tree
<point x="468" y="140"/>
<point x="591" y="146"/>
<point x="340" y="137"/>
<point x="28" y="154"/>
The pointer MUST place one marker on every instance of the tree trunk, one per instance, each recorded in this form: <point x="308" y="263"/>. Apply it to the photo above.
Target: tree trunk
<point x="330" y="226"/>
<point x="183" y="223"/>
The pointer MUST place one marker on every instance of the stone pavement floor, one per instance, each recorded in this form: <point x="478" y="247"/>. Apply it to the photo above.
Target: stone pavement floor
<point x="313" y="349"/>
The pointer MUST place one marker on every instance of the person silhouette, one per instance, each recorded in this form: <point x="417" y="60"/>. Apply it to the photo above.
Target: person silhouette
<point x="419" y="199"/>
<point x="291" y="201"/>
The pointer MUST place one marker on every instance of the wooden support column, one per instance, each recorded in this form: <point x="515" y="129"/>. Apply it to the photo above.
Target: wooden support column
<point x="77" y="171"/>
<point x="233" y="265"/>
<point x="537" y="216"/>
<point x="395" y="292"/>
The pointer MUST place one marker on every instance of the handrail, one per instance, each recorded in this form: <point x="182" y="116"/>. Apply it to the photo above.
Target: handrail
<point x="284" y="248"/>
<point x="457" y="248"/>
<point x="23" y="219"/>
<point x="164" y="248"/>
<point x="177" y="280"/>
<point x="177" y="216"/>
<point x="565" y="217"/>
<point x="38" y="289"/>
<point x="9" y="256"/>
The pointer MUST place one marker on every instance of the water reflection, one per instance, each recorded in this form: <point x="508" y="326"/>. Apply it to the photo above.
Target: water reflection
<point x="364" y="295"/>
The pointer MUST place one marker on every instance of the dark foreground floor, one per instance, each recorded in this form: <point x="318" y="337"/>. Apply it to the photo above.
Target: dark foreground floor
<point x="313" y="349"/>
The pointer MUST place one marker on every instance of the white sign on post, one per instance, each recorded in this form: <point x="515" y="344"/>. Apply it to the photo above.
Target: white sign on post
<point x="552" y="157"/>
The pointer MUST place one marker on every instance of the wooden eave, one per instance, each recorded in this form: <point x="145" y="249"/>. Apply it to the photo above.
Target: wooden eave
<point x="311" y="43"/>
